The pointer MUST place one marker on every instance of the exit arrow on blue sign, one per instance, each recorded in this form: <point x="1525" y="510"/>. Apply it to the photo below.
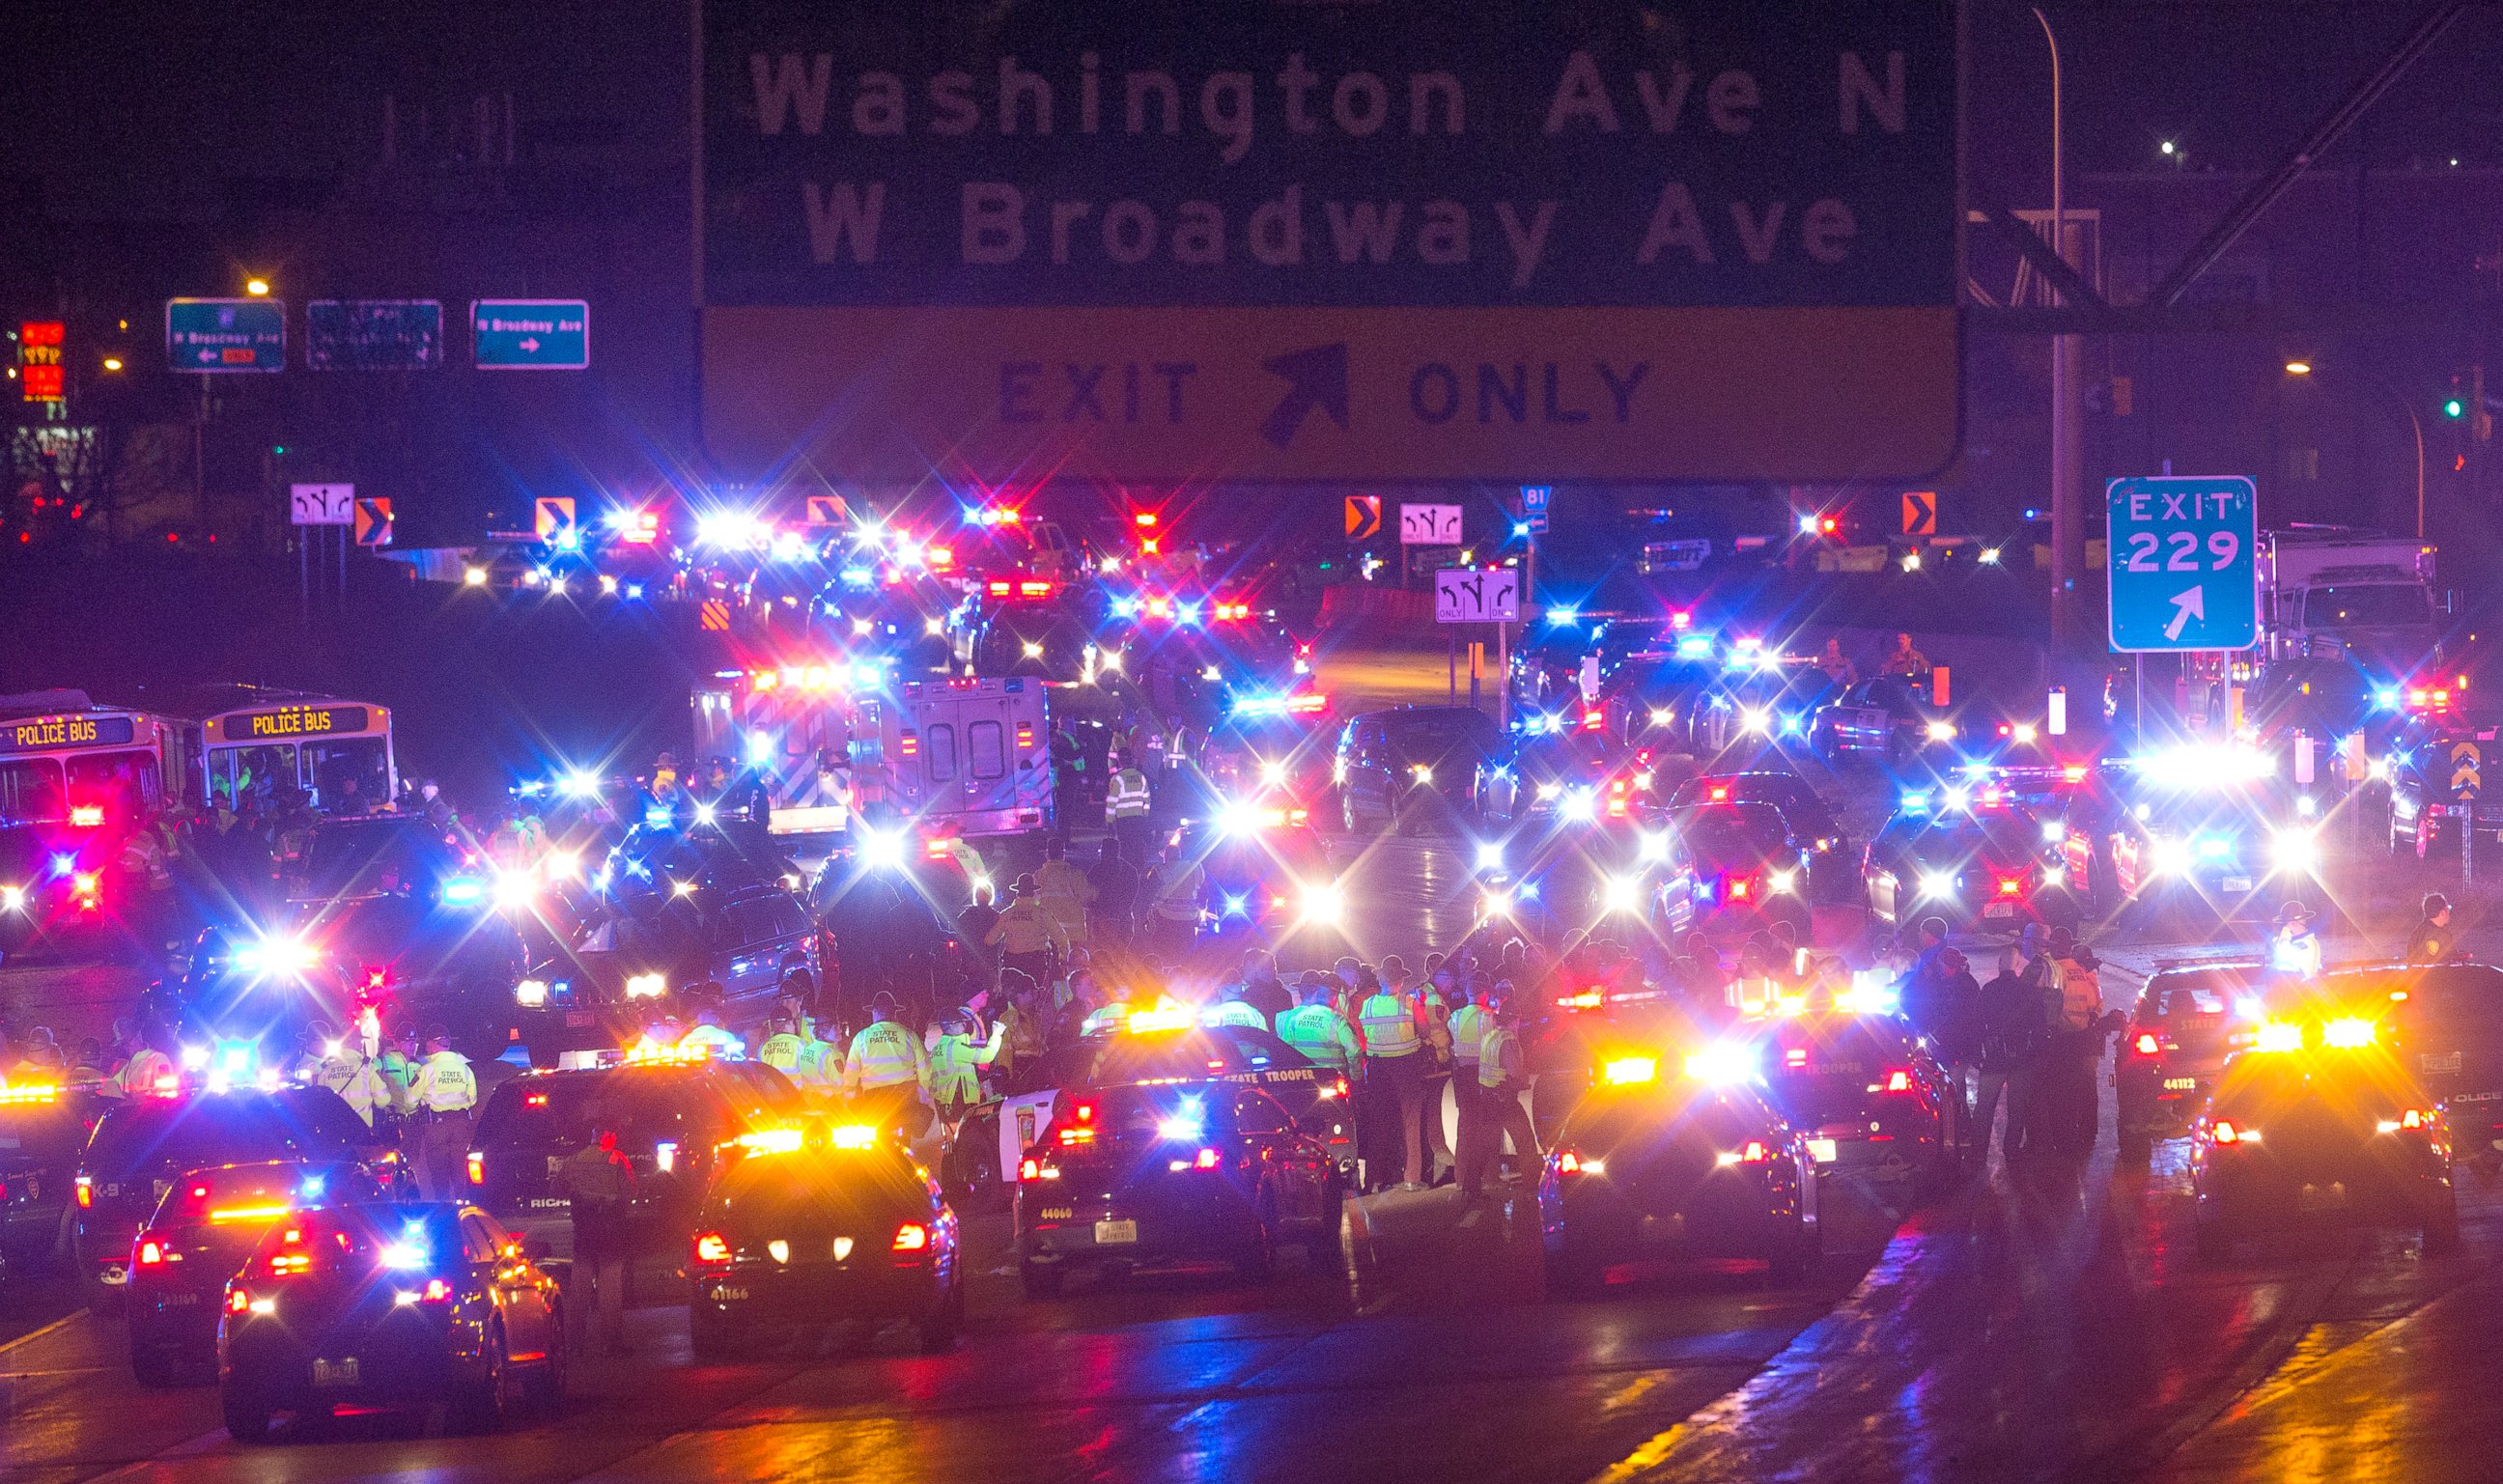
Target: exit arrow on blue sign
<point x="530" y="334"/>
<point x="2180" y="559"/>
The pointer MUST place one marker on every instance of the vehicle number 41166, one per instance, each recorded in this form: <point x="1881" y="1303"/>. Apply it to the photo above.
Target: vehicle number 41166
<point x="2180" y="552"/>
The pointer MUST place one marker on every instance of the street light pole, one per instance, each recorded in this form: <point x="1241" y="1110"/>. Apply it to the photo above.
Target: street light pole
<point x="2067" y="395"/>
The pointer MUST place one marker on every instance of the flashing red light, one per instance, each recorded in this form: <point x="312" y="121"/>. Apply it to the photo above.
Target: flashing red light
<point x="1206" y="1160"/>
<point x="1143" y="520"/>
<point x="1740" y="888"/>
<point x="1025" y="734"/>
<point x="911" y="1236"/>
<point x="2227" y="1134"/>
<point x="151" y="1251"/>
<point x="1898" y="1081"/>
<point x="1152" y="547"/>
<point x="437" y="1290"/>
<point x="1795" y="1058"/>
<point x="2413" y="1118"/>
<point x="1086" y="1112"/>
<point x="941" y="556"/>
<point x="87" y="816"/>
<point x="1029" y="1169"/>
<point x="1567" y="1163"/>
<point x="2010" y="886"/>
<point x="238" y="1300"/>
<point x="1721" y="793"/>
<point x="1591" y="720"/>
<point x="937" y="847"/>
<point x="2145" y="1045"/>
<point x="1829" y="525"/>
<point x="711" y="1247"/>
<point x="1680" y="619"/>
<point x="911" y="745"/>
<point x="998" y="588"/>
<point x="1755" y="1153"/>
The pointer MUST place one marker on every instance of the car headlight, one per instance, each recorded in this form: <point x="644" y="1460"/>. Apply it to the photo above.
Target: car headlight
<point x="530" y="993"/>
<point x="1582" y="805"/>
<point x="1756" y="720"/>
<point x="1420" y="772"/>
<point x="2055" y="875"/>
<point x="12" y="898"/>
<point x="881" y="850"/>
<point x="2295" y="850"/>
<point x="1323" y="902"/>
<point x="1937" y="884"/>
<point x="2169" y="858"/>
<point x="1652" y="846"/>
<point x="1548" y="788"/>
<point x="1494" y="902"/>
<point x="1722" y="1063"/>
<point x="1940" y="732"/>
<point x="1662" y="716"/>
<point x="647" y="985"/>
<point x="1489" y="856"/>
<point x="1621" y="893"/>
<point x="1783" y="880"/>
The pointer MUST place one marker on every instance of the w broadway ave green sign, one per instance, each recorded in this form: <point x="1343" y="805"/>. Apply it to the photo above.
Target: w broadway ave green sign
<point x="530" y="334"/>
<point x="2182" y="563"/>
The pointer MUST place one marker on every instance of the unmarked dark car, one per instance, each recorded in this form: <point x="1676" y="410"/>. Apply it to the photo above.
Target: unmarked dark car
<point x="843" y="1228"/>
<point x="389" y="1306"/>
<point x="1152" y="1176"/>
<point x="2177" y="1041"/>
<point x="1868" y="1093"/>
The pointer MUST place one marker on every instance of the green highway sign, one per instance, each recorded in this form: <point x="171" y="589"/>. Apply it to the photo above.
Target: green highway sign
<point x="530" y="334"/>
<point x="2182" y="563"/>
<point x="226" y="335"/>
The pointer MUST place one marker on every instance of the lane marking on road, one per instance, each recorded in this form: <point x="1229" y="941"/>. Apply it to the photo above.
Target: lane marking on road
<point x="33" y="1336"/>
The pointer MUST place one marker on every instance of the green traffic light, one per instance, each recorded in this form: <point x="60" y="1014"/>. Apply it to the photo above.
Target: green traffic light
<point x="2453" y="407"/>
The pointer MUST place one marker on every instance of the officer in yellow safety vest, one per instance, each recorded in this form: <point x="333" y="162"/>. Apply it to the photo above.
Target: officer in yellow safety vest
<point x="1316" y="1028"/>
<point x="887" y="1069"/>
<point x="1503" y="1076"/>
<point x="957" y="1062"/>
<point x="1395" y="1064"/>
<point x="1125" y="811"/>
<point x="1233" y="1010"/>
<point x="821" y="1067"/>
<point x="446" y="1090"/>
<point x="710" y="1033"/>
<point x="781" y="1048"/>
<point x="144" y="1067"/>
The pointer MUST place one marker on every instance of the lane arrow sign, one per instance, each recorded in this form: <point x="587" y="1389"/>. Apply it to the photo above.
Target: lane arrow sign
<point x="1315" y="378"/>
<point x="2192" y="604"/>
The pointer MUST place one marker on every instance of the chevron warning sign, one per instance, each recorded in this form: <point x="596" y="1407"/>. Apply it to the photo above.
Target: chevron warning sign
<point x="1921" y="513"/>
<point x="373" y="521"/>
<point x="1364" y="517"/>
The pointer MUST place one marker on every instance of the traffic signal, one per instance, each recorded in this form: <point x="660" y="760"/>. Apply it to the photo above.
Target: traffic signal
<point x="2455" y="405"/>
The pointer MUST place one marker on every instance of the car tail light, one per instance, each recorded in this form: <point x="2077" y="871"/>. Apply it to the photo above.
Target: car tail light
<point x="1207" y="1158"/>
<point x="1740" y="888"/>
<point x="2145" y="1045"/>
<point x="911" y="1236"/>
<point x="238" y="1299"/>
<point x="711" y="1247"/>
<point x="1755" y="1153"/>
<point x="1024" y="735"/>
<point x="2011" y="886"/>
<point x="2227" y="1134"/>
<point x="85" y="1190"/>
<point x="1567" y="1163"/>
<point x="2413" y="1118"/>
<point x="1898" y="1081"/>
<point x="1086" y="1112"/>
<point x="478" y="1166"/>
<point x="151" y="1251"/>
<point x="437" y="1290"/>
<point x="1076" y="1136"/>
<point x="1590" y="721"/>
<point x="1029" y="1169"/>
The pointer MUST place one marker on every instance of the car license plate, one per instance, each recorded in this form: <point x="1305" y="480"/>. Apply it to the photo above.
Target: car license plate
<point x="340" y="1372"/>
<point x="2321" y="1198"/>
<point x="1821" y="1151"/>
<point x="2439" y="1061"/>
<point x="1999" y="909"/>
<point x="1114" y="1233"/>
<point x="2237" y="883"/>
<point x="550" y="1204"/>
<point x="575" y="1019"/>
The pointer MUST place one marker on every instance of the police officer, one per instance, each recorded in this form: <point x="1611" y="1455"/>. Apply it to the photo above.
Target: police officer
<point x="1395" y="1064"/>
<point x="1125" y="810"/>
<point x="352" y="1066"/>
<point x="885" y="1071"/>
<point x="781" y="1048"/>
<point x="957" y="1057"/>
<point x="446" y="1090"/>
<point x="1027" y="934"/>
<point x="1503" y="1077"/>
<point x="1065" y="893"/>
<point x="2294" y="953"/>
<point x="820" y="1066"/>
<point x="1467" y="1029"/>
<point x="598" y="1180"/>
<point x="1235" y="1010"/>
<point x="708" y="1032"/>
<point x="2432" y="939"/>
<point x="1316" y="1028"/>
<point x="143" y="1067"/>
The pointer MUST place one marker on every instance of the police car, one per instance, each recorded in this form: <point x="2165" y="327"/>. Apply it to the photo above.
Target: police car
<point x="1833" y="869"/>
<point x="2446" y="1026"/>
<point x="1165" y="1173"/>
<point x="44" y="1125"/>
<point x="145" y="1143"/>
<point x="1671" y="1157"/>
<point x="2209" y="829"/>
<point x="200" y="1232"/>
<point x="2185" y="1026"/>
<point x="1168" y="1044"/>
<point x="1258" y="863"/>
<point x="1969" y="855"/>
<point x="1868" y="1090"/>
<point x="674" y="1114"/>
<point x="817" y="1225"/>
<point x="2319" y="1122"/>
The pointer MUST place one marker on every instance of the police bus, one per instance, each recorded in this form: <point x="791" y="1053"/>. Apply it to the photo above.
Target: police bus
<point x="64" y="760"/>
<point x="338" y="753"/>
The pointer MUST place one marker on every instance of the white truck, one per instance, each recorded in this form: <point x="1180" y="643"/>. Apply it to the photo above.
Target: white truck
<point x="2330" y="592"/>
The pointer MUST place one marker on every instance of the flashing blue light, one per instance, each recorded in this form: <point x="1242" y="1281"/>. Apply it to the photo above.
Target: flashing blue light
<point x="1538" y="723"/>
<point x="464" y="891"/>
<point x="568" y="539"/>
<point x="2216" y="846"/>
<point x="408" y="1252"/>
<point x="580" y="784"/>
<point x="1792" y="723"/>
<point x="1188" y="612"/>
<point x="1237" y="906"/>
<point x="633" y="589"/>
<point x="1519" y="528"/>
<point x="657" y="816"/>
<point x="1916" y="801"/>
<point x="858" y="577"/>
<point x="2387" y="698"/>
<point x="63" y="864"/>
<point x="1189" y="1122"/>
<point x="312" y="1188"/>
<point x="760" y="748"/>
<point x="1126" y="608"/>
<point x="1566" y="614"/>
<point x="1694" y="647"/>
<point x="1259" y="705"/>
<point x="1528" y="891"/>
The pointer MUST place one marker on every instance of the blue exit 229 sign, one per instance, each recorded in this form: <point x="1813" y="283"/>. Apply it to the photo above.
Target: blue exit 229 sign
<point x="2182" y="563"/>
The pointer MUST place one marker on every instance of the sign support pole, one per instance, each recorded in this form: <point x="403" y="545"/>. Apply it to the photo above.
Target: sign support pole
<point x="304" y="576"/>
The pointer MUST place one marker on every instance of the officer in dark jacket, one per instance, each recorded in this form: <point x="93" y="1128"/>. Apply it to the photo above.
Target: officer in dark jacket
<point x="2011" y="1024"/>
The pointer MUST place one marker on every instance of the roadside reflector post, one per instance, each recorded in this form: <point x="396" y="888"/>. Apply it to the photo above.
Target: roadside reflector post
<point x="1939" y="685"/>
<point x="2304" y="770"/>
<point x="2056" y="711"/>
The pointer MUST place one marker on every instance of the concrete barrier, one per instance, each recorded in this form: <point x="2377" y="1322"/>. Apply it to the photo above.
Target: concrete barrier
<point x="1350" y="603"/>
